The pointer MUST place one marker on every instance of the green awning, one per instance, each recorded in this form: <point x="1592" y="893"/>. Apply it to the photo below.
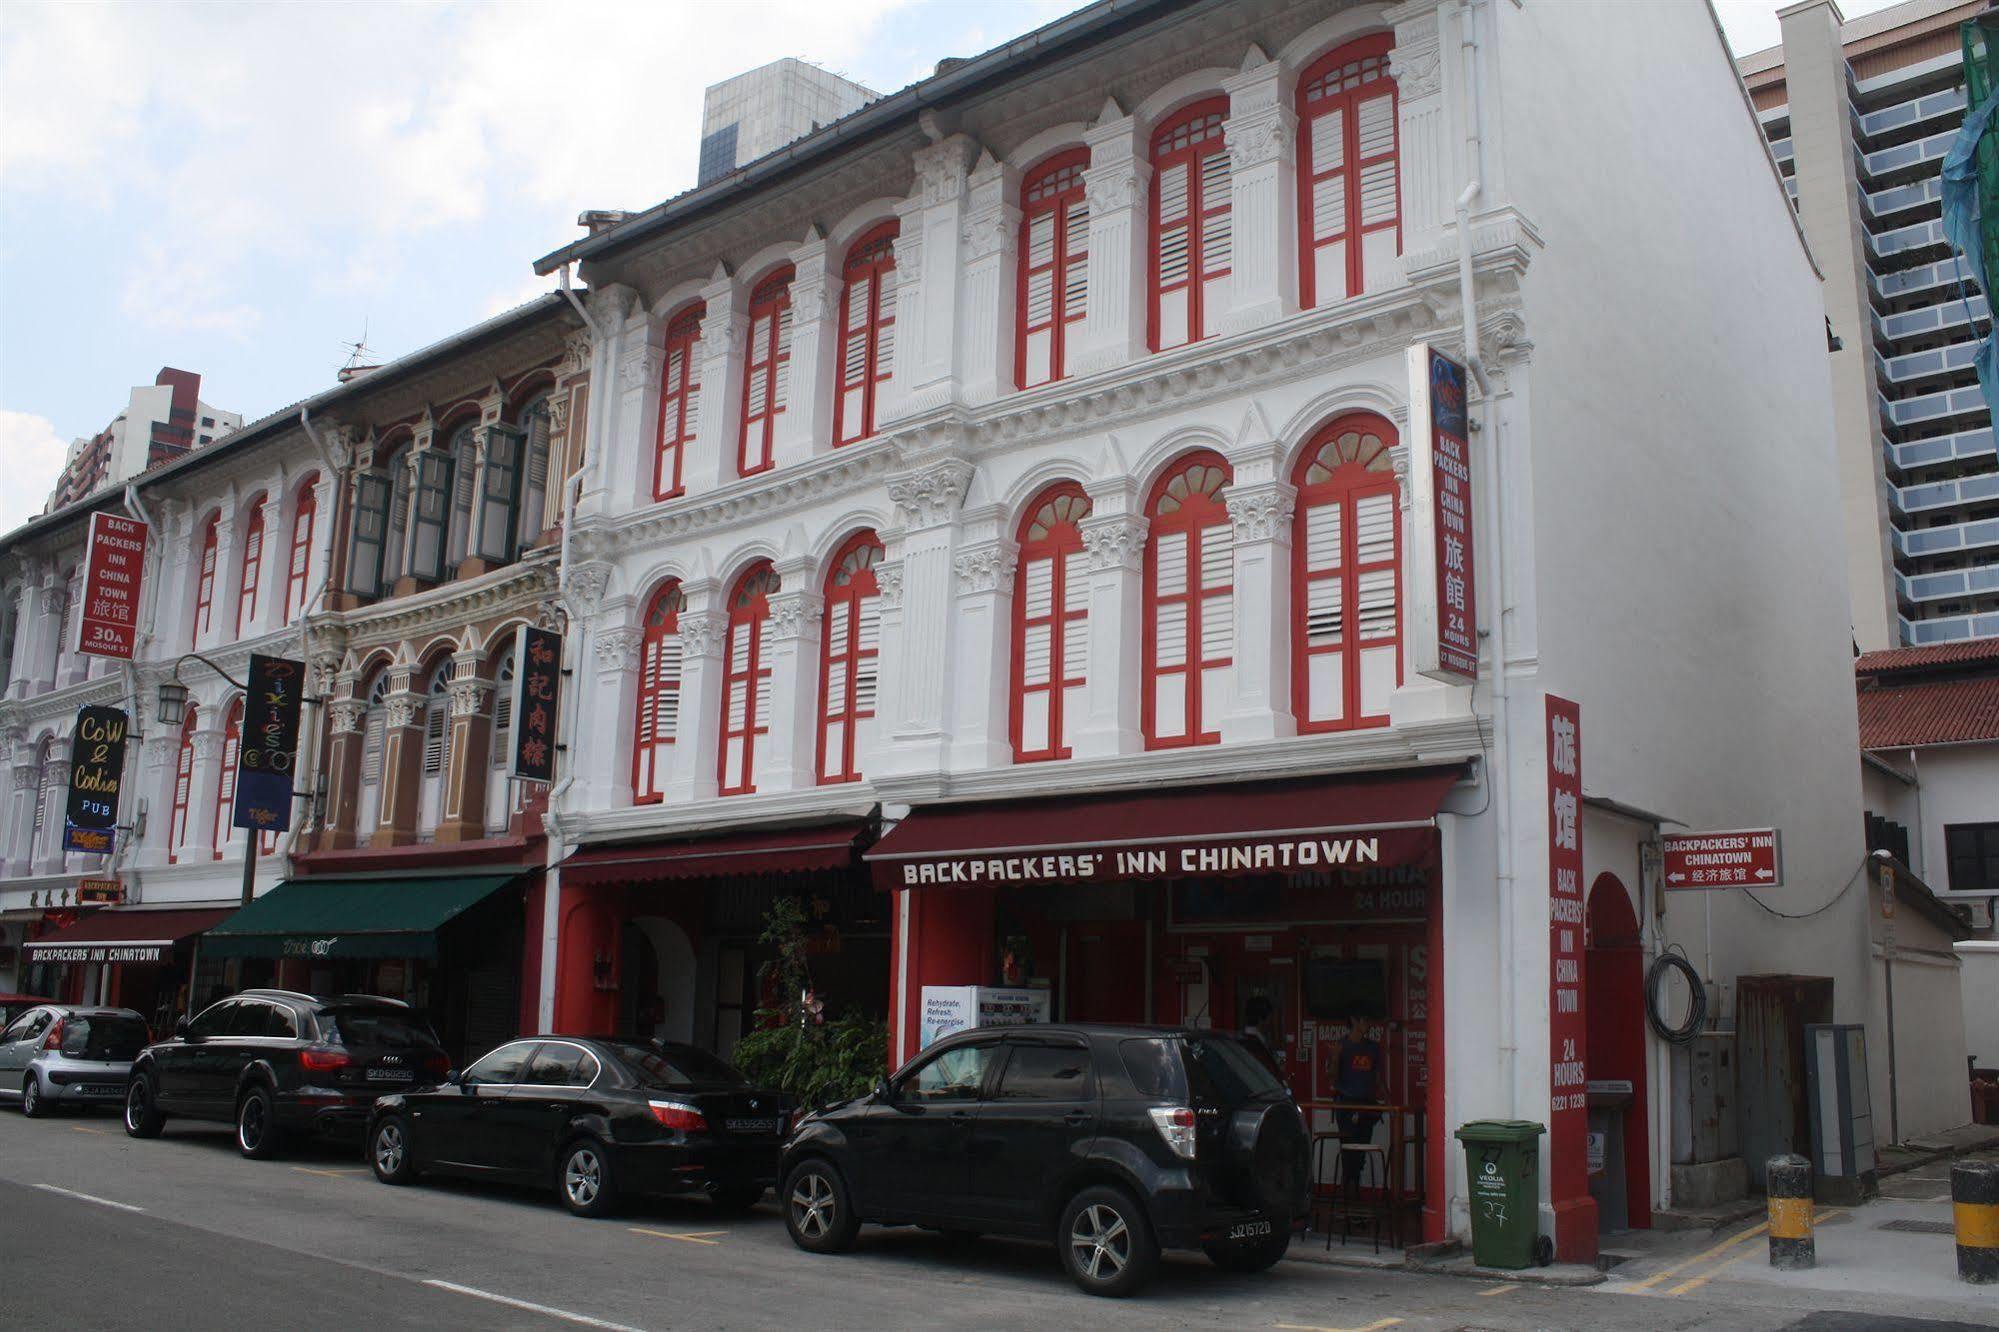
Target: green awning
<point x="386" y="917"/>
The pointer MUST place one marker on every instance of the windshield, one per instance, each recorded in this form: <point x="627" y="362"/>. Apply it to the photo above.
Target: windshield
<point x="104" y="1036"/>
<point x="666" y="1065"/>
<point x="390" y="1027"/>
<point x="1225" y="1072"/>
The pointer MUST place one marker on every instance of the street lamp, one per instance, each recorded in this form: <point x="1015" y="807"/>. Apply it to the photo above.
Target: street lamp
<point x="173" y="706"/>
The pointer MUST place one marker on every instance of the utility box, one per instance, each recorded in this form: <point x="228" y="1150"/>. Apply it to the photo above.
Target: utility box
<point x="1707" y="1168"/>
<point x="1843" y="1165"/>
<point x="1771" y="1014"/>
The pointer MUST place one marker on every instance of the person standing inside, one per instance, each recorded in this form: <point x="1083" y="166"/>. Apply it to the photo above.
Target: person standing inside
<point x="1256" y="1016"/>
<point x="1356" y="1082"/>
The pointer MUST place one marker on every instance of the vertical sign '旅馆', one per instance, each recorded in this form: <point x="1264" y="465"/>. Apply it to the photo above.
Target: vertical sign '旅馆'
<point x="109" y="623"/>
<point x="538" y="682"/>
<point x="96" y="772"/>
<point x="267" y="761"/>
<point x="1568" y="1110"/>
<point x="1444" y="607"/>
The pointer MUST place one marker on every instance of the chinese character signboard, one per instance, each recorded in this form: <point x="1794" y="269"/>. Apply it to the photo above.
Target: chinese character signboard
<point x="1444" y="604"/>
<point x="1568" y="1110"/>
<point x="270" y="744"/>
<point x="537" y="680"/>
<point x="109" y="623"/>
<point x="1742" y="858"/>
<point x="96" y="771"/>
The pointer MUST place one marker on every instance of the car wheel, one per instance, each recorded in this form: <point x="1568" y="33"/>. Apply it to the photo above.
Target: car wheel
<point x="736" y="1199"/>
<point x="584" y="1179"/>
<point x="34" y="1104"/>
<point x="818" y="1209"/>
<point x="256" y="1133"/>
<point x="142" y="1118"/>
<point x="389" y="1152"/>
<point x="1106" y="1242"/>
<point x="1258" y="1255"/>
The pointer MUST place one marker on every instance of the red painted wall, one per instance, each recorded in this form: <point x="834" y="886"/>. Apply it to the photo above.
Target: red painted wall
<point x="1614" y="972"/>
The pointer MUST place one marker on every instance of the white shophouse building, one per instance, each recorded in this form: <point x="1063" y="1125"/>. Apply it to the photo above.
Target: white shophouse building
<point x="1026" y="460"/>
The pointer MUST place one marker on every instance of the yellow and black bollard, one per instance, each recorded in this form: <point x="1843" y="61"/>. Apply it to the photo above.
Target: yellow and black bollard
<point x="1789" y="1184"/>
<point x="1974" y="1202"/>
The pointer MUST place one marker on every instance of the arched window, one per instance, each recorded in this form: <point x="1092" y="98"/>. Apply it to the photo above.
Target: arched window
<point x="766" y="369"/>
<point x="304" y="517"/>
<point x="1191" y="241"/>
<point x="1054" y="266"/>
<point x="849" y="650"/>
<point x="657" y="725"/>
<point x="501" y="794"/>
<point x="867" y="332"/>
<point x="225" y="800"/>
<point x="253" y="566"/>
<point x="1349" y="193"/>
<point x="1346" y="607"/>
<point x="436" y="765"/>
<point x="746" y="679"/>
<point x="679" y="399"/>
<point x="374" y="738"/>
<point x="180" y="819"/>
<point x="1051" y="636"/>
<point x="204" y="589"/>
<point x="1189" y="604"/>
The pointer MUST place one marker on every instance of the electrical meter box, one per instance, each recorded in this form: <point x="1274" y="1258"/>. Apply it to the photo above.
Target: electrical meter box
<point x="1843" y="1165"/>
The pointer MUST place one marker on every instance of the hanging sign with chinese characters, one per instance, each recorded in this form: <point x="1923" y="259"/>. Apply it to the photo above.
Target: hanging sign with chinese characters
<point x="108" y="625"/>
<point x="537" y="683"/>
<point x="270" y="744"/>
<point x="1444" y="600"/>
<point x="1568" y="1110"/>
<point x="96" y="772"/>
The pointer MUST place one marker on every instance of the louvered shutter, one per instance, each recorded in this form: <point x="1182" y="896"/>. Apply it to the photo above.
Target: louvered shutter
<point x="1217" y="239"/>
<point x="1170" y="615"/>
<point x="1374" y="124"/>
<point x="854" y="357"/>
<point x="1217" y="619"/>
<point x="867" y="654"/>
<point x="204" y="597"/>
<point x="225" y="801"/>
<point x="1175" y="253"/>
<point x="1076" y="262"/>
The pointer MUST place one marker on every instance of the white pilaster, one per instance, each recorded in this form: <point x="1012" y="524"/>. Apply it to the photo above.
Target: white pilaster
<point x="1114" y="332"/>
<point x="804" y="429"/>
<point x="1431" y="156"/>
<point x="983" y="624"/>
<point x="48" y="854"/>
<point x="1111" y="718"/>
<point x="926" y="348"/>
<point x="786" y="755"/>
<point x="1260" y="694"/>
<point x="704" y="634"/>
<point x="919" y="706"/>
<point x="992" y="245"/>
<point x="603" y="757"/>
<point x="1262" y="137"/>
<point x="711" y="455"/>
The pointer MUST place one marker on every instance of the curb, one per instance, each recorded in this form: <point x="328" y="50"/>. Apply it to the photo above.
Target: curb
<point x="1562" y="1274"/>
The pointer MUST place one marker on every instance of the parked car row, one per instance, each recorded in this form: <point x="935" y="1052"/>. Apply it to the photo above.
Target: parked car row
<point x="1113" y="1142"/>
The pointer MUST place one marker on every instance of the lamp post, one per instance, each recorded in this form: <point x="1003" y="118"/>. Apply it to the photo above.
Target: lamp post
<point x="173" y="705"/>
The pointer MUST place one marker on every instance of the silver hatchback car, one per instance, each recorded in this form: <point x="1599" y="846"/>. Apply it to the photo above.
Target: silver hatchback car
<point x="69" y="1055"/>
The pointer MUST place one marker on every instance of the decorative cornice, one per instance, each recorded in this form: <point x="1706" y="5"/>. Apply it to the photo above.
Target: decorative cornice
<point x="793" y="614"/>
<point x="929" y="496"/>
<point x="449" y="607"/>
<point x="468" y="697"/>
<point x="618" y="649"/>
<point x="347" y="715"/>
<point x="1261" y="138"/>
<point x="986" y="568"/>
<point x="586" y="585"/>
<point x="401" y="708"/>
<point x="1414" y="62"/>
<point x="1262" y="513"/>
<point x="1114" y="540"/>
<point x="702" y="633"/>
<point x="888" y="584"/>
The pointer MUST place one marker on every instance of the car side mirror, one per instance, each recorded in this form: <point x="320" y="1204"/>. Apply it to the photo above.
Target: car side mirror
<point x="180" y="1025"/>
<point x="453" y="1078"/>
<point x="882" y="1091"/>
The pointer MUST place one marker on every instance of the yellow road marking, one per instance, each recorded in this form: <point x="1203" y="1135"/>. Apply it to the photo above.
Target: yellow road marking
<point x="687" y="1237"/>
<point x="1375" y="1326"/>
<point x="330" y="1174"/>
<point x="78" y="1128"/>
<point x="1498" y="1290"/>
<point x="1701" y="1257"/>
<point x="1695" y="1283"/>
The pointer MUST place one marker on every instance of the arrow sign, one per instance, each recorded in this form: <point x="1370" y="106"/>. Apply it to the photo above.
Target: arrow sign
<point x="1737" y="858"/>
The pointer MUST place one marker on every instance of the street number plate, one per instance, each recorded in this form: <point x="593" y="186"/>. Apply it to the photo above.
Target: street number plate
<point x="1243" y="1230"/>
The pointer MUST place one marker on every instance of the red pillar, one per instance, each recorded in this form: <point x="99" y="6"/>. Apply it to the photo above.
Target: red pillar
<point x="587" y="951"/>
<point x="949" y="942"/>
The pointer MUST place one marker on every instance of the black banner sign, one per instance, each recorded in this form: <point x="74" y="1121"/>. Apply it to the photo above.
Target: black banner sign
<point x="265" y="763"/>
<point x="96" y="771"/>
<point x="538" y="682"/>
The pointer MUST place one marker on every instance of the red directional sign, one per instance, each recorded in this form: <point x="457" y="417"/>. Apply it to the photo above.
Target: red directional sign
<point x="109" y="625"/>
<point x="1741" y="858"/>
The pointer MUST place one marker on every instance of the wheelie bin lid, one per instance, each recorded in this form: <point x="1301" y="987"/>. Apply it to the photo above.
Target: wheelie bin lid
<point x="1499" y="1131"/>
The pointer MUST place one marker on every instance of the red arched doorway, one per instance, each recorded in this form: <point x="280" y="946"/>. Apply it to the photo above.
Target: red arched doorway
<point x="1614" y="974"/>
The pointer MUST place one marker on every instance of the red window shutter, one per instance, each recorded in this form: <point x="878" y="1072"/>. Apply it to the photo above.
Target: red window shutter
<point x="253" y="566"/>
<point x="204" y="595"/>
<point x="679" y="399"/>
<point x="657" y="723"/>
<point x="1349" y="187"/>
<point x="766" y="369"/>
<point x="746" y="679"/>
<point x="183" y="788"/>
<point x="849" y="652"/>
<point x="1054" y="267"/>
<point x="225" y="801"/>
<point x="1189" y="604"/>
<point x="867" y="333"/>
<point x="301" y="553"/>
<point x="1050" y="624"/>
<point x="1346" y="631"/>
<point x="1192" y="226"/>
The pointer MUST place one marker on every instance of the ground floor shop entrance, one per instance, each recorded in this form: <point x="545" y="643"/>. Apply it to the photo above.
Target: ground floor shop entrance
<point x="137" y="957"/>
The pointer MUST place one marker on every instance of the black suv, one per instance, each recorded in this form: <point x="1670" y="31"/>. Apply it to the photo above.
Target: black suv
<point x="274" y="1062"/>
<point x="1115" y="1142"/>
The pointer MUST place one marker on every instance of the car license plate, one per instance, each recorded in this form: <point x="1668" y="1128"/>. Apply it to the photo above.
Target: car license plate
<point x="388" y="1075"/>
<point x="768" y="1125"/>
<point x="100" y="1089"/>
<point x="1245" y="1230"/>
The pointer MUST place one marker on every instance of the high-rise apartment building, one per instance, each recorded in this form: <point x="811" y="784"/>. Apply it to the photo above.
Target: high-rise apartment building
<point x="1859" y="114"/>
<point x="759" y="112"/>
<point x="162" y="421"/>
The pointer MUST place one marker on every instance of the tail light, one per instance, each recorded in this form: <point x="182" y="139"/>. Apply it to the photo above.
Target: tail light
<point x="678" y="1115"/>
<point x="436" y="1064"/>
<point x="53" y="1041"/>
<point x="1176" y="1125"/>
<point x="323" y="1059"/>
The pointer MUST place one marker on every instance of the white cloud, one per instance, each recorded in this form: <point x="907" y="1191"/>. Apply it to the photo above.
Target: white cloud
<point x="31" y="455"/>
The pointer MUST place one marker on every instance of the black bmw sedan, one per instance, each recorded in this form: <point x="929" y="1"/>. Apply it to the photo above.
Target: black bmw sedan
<point x="600" y="1119"/>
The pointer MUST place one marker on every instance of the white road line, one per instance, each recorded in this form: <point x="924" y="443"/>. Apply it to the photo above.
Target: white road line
<point x="529" y="1305"/>
<point x="89" y="1198"/>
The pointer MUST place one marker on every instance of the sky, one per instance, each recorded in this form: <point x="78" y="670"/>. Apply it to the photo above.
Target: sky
<point x="242" y="189"/>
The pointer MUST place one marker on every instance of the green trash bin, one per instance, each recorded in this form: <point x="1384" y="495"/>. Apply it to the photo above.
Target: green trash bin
<point x="1503" y="1163"/>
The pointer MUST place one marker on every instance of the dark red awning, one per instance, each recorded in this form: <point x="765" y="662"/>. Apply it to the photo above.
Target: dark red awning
<point x="126" y="934"/>
<point x="1309" y="824"/>
<point x="771" y="851"/>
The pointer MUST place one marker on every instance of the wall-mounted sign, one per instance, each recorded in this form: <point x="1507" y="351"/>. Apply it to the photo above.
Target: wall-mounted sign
<point x="1568" y="1109"/>
<point x="265" y="763"/>
<point x="96" y="772"/>
<point x="1444" y="604"/>
<point x="109" y="623"/>
<point x="99" y="892"/>
<point x="1740" y="858"/>
<point x="537" y="686"/>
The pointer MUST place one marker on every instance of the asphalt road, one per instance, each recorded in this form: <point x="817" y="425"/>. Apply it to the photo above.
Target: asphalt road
<point x="99" y="1230"/>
